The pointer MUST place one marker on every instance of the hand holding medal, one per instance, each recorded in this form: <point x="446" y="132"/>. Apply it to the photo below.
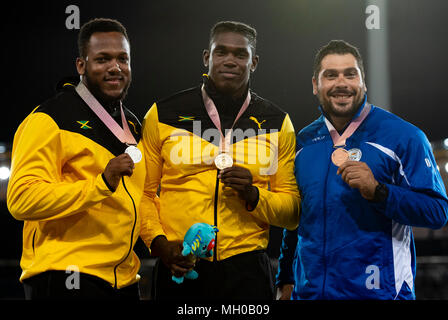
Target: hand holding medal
<point x="116" y="168"/>
<point x="355" y="173"/>
<point x="240" y="179"/>
<point x="237" y="178"/>
<point x="358" y="175"/>
<point x="123" y="165"/>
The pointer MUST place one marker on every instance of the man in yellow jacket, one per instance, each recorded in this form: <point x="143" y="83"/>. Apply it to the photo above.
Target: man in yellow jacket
<point x="222" y="155"/>
<point x="74" y="186"/>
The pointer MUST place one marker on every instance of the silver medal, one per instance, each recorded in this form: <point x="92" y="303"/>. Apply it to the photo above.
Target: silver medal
<point x="223" y="160"/>
<point x="134" y="153"/>
<point x="354" y="154"/>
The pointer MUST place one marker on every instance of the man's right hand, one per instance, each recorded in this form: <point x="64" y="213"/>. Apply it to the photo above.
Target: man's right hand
<point x="118" y="167"/>
<point x="171" y="254"/>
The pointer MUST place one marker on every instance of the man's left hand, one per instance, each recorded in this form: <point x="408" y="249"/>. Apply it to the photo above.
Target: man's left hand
<point x="358" y="175"/>
<point x="240" y="179"/>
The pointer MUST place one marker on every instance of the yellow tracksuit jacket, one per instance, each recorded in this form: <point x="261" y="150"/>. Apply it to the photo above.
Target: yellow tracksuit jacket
<point x="71" y="217"/>
<point x="180" y="143"/>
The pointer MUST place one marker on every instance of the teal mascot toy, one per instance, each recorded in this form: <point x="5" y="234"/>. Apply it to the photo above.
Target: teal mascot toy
<point x="199" y="242"/>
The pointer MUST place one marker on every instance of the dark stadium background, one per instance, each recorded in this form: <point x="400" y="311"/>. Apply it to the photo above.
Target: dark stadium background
<point x="167" y="39"/>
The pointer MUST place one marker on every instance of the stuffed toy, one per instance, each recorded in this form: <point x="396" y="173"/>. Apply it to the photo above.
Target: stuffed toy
<point x="199" y="242"/>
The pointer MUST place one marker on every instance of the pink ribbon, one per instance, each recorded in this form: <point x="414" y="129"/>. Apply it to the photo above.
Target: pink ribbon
<point x="339" y="140"/>
<point x="123" y="134"/>
<point x="214" y="116"/>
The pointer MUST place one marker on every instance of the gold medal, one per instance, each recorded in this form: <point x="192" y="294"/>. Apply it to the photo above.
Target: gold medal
<point x="339" y="156"/>
<point x="223" y="160"/>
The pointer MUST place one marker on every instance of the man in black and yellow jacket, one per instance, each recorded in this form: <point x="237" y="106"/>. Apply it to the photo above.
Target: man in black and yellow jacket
<point x="182" y="138"/>
<point x="71" y="182"/>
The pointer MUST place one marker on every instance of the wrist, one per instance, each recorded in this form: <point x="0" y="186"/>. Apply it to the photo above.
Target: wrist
<point x="112" y="189"/>
<point x="381" y="193"/>
<point x="158" y="244"/>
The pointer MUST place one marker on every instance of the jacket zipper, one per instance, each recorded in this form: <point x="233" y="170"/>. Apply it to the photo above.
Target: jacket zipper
<point x="34" y="238"/>
<point x="132" y="235"/>
<point x="215" y="216"/>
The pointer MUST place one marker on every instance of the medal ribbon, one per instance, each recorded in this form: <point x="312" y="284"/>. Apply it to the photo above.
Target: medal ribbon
<point x="214" y="116"/>
<point x="339" y="140"/>
<point x="123" y="134"/>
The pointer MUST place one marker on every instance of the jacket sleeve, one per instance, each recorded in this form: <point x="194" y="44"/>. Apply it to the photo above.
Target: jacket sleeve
<point x="285" y="274"/>
<point x="146" y="228"/>
<point x="36" y="190"/>
<point x="154" y="163"/>
<point x="279" y="206"/>
<point x="418" y="198"/>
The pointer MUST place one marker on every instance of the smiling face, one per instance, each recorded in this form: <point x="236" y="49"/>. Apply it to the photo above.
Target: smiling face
<point x="106" y="69"/>
<point x="340" y="86"/>
<point x="230" y="61"/>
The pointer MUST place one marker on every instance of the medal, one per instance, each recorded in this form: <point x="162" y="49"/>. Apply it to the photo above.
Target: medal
<point x="223" y="160"/>
<point x="134" y="153"/>
<point x="354" y="154"/>
<point x="339" y="156"/>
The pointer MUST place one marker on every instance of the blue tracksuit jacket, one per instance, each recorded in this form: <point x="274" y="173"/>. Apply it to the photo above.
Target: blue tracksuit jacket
<point x="347" y="247"/>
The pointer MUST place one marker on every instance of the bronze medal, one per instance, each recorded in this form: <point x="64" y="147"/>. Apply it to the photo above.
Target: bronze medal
<point x="339" y="156"/>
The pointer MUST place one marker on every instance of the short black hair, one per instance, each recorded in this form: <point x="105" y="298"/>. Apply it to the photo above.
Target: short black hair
<point x="336" y="47"/>
<point x="237" y="27"/>
<point x="98" y="25"/>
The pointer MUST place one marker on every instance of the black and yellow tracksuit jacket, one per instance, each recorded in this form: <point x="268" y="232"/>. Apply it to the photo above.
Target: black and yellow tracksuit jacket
<point x="180" y="145"/>
<point x="71" y="217"/>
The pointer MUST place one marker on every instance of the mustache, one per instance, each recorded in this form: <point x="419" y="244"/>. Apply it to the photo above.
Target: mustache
<point x="340" y="91"/>
<point x="113" y="78"/>
<point x="94" y="87"/>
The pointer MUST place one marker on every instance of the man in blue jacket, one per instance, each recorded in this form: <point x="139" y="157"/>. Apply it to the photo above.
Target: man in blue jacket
<point x="366" y="177"/>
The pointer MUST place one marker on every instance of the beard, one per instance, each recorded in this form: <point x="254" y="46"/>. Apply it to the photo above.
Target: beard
<point x="105" y="100"/>
<point x="342" y="108"/>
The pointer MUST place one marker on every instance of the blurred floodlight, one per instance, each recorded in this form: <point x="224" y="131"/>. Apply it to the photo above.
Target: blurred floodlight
<point x="4" y="173"/>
